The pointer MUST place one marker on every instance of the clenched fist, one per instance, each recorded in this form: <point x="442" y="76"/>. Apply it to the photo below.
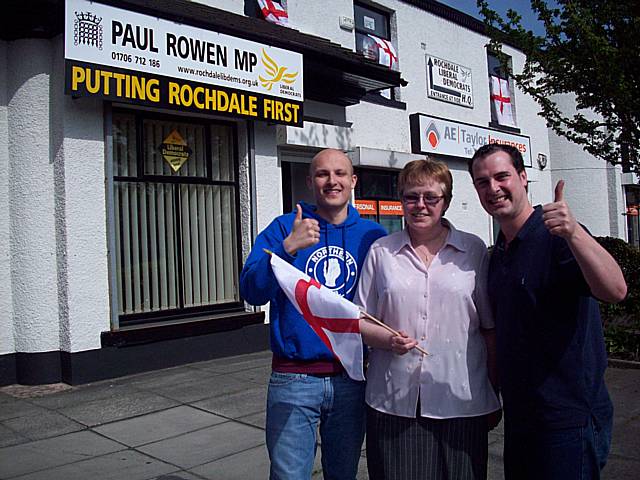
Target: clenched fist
<point x="305" y="233"/>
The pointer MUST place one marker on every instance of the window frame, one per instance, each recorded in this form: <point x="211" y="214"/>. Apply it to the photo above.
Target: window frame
<point x="376" y="97"/>
<point x="181" y="312"/>
<point x="500" y="73"/>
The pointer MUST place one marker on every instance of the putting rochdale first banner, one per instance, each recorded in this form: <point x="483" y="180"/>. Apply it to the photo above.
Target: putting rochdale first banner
<point x="130" y="57"/>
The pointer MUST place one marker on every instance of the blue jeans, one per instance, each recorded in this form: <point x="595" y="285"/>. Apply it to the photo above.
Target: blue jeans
<point x="564" y="454"/>
<point x="296" y="404"/>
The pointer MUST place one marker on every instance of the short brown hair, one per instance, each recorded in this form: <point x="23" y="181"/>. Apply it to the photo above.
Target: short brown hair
<point x="418" y="172"/>
<point x="491" y="148"/>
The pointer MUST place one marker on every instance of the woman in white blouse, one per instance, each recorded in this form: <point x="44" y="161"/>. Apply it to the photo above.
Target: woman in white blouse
<point x="428" y="415"/>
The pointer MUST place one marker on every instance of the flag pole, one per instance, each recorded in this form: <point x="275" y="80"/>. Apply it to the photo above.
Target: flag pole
<point x="391" y="330"/>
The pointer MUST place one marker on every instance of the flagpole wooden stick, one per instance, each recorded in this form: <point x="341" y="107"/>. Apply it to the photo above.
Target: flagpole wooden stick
<point x="391" y="330"/>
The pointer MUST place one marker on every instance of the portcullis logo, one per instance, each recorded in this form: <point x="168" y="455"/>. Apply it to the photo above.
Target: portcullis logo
<point x="87" y="30"/>
<point x="433" y="136"/>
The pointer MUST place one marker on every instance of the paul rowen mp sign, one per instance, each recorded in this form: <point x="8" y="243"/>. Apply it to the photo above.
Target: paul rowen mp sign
<point x="129" y="57"/>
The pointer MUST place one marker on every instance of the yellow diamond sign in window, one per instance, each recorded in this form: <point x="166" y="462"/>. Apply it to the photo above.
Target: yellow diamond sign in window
<point x="175" y="150"/>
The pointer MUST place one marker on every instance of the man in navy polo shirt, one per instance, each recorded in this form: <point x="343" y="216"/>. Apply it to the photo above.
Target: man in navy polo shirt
<point x="544" y="273"/>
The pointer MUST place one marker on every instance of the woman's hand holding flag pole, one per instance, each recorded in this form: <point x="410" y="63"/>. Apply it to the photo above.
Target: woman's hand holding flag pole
<point x="390" y="330"/>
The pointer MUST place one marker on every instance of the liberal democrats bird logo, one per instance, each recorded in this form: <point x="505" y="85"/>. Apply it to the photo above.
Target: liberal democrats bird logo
<point x="277" y="73"/>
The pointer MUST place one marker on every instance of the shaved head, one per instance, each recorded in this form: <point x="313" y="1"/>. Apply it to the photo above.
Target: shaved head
<point x="330" y="153"/>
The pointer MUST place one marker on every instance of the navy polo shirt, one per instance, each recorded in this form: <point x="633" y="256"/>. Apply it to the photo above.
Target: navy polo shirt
<point x="551" y="352"/>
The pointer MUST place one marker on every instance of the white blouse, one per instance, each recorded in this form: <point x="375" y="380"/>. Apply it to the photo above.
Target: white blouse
<point x="443" y="307"/>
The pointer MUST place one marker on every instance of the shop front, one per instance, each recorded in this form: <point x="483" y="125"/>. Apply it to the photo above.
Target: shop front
<point x="149" y="178"/>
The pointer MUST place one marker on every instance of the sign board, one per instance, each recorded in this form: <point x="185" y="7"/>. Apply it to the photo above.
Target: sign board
<point x="390" y="208"/>
<point x="366" y="207"/>
<point x="449" y="82"/>
<point x="129" y="57"/>
<point x="447" y="137"/>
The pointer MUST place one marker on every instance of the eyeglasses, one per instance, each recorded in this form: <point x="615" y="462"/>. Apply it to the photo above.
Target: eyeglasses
<point x="428" y="199"/>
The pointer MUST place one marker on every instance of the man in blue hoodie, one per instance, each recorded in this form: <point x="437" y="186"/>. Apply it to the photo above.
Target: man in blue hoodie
<point x="308" y="386"/>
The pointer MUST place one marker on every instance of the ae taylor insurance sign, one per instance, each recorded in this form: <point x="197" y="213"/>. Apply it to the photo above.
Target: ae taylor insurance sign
<point x="129" y="57"/>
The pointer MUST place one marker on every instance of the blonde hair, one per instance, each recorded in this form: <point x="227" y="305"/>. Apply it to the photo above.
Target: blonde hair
<point x="418" y="172"/>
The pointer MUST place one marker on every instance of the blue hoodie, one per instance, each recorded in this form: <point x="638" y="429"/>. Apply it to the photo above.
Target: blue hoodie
<point x="335" y="261"/>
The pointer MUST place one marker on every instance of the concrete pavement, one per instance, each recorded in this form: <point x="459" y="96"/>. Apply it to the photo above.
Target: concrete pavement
<point x="198" y="421"/>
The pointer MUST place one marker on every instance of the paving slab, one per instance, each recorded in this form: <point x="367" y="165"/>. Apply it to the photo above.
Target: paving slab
<point x="237" y="363"/>
<point x="8" y="437"/>
<point x="157" y="426"/>
<point x="626" y="439"/>
<point x="236" y="405"/>
<point x="259" y="375"/>
<point x="206" y="445"/>
<point x="362" y="468"/>
<point x="170" y="377"/>
<point x="81" y="394"/>
<point x="125" y="405"/>
<point x="17" y="408"/>
<point x="257" y="419"/>
<point x="624" y="388"/>
<point x="5" y="397"/>
<point x="250" y="464"/>
<point x="43" y="425"/>
<point x="181" y="475"/>
<point x="621" y="468"/>
<point x="202" y="388"/>
<point x="496" y="445"/>
<point x="46" y="454"/>
<point x="127" y="464"/>
<point x="495" y="468"/>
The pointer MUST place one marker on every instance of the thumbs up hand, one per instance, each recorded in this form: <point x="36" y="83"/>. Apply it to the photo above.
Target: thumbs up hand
<point x="304" y="233"/>
<point x="557" y="217"/>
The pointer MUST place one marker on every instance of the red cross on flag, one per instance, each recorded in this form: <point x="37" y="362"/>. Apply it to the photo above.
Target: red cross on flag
<point x="333" y="318"/>
<point x="274" y="12"/>
<point x="386" y="53"/>
<point x="501" y="101"/>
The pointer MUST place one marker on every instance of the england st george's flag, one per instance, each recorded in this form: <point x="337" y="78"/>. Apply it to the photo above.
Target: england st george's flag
<point x="333" y="318"/>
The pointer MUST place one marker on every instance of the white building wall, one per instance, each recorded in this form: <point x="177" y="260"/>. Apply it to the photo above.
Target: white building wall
<point x="54" y="270"/>
<point x="79" y="158"/>
<point x="31" y="193"/>
<point x="7" y="341"/>
<point x="417" y="33"/>
<point x="233" y="6"/>
<point x="268" y="201"/>
<point x="322" y="19"/>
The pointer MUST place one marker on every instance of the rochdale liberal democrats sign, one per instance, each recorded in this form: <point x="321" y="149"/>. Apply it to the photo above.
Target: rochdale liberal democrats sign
<point x="446" y="137"/>
<point x="129" y="57"/>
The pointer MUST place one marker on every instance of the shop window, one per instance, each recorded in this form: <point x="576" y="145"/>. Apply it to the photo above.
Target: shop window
<point x="376" y="198"/>
<point x="176" y="230"/>
<point x="503" y="110"/>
